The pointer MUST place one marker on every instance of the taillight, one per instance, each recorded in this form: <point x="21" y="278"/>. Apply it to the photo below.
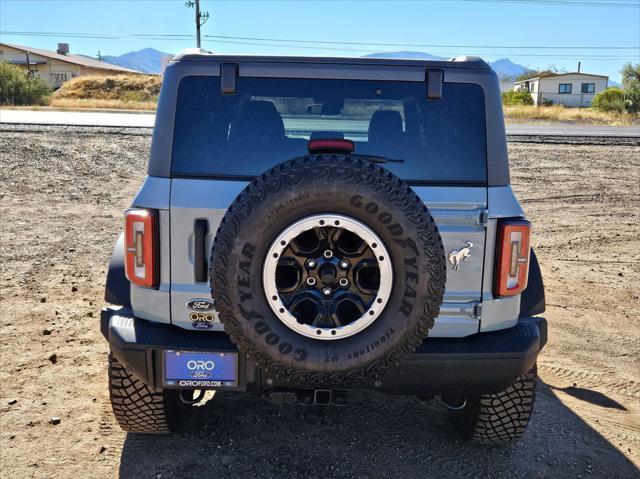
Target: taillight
<point x="513" y="257"/>
<point x="329" y="145"/>
<point x="141" y="247"/>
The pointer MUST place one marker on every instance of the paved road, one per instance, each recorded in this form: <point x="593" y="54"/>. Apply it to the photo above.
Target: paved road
<point x="77" y="118"/>
<point x="147" y="120"/>
<point x="563" y="129"/>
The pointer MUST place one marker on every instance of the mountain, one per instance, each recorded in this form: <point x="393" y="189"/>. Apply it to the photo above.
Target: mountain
<point x="147" y="60"/>
<point x="504" y="67"/>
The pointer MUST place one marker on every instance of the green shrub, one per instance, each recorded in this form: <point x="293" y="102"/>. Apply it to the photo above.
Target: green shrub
<point x="611" y="99"/>
<point x="631" y="85"/>
<point x="16" y="88"/>
<point x="522" y="97"/>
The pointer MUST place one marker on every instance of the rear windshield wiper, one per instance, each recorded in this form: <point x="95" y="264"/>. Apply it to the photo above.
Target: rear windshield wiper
<point x="379" y="159"/>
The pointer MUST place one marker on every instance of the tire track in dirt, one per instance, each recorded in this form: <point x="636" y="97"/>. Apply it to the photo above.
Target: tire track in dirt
<point x="78" y="184"/>
<point x="630" y="389"/>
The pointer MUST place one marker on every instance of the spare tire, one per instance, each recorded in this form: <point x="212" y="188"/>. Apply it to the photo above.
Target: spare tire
<point x="327" y="270"/>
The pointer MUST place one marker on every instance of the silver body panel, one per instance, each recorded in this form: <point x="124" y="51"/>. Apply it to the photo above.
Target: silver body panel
<point x="461" y="213"/>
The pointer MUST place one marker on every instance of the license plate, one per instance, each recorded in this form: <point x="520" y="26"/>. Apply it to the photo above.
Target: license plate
<point x="199" y="369"/>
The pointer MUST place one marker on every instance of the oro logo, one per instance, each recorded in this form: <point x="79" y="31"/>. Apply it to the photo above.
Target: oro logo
<point x="201" y="317"/>
<point x="200" y="365"/>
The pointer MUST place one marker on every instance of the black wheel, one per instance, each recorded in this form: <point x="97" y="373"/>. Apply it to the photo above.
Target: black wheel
<point x="499" y="418"/>
<point x="327" y="270"/>
<point x="140" y="408"/>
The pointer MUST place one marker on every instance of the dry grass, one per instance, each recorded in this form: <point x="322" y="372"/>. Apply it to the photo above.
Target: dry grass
<point x="118" y="92"/>
<point x="72" y="103"/>
<point x="121" y="88"/>
<point x="562" y="114"/>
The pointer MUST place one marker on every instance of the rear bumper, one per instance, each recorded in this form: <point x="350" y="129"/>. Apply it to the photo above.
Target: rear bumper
<point x="482" y="363"/>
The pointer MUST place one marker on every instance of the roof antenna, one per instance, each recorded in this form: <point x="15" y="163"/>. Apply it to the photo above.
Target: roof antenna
<point x="579" y="67"/>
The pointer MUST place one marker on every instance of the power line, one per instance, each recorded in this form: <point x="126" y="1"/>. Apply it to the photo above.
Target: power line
<point x="562" y="3"/>
<point x="152" y="36"/>
<point x="305" y="44"/>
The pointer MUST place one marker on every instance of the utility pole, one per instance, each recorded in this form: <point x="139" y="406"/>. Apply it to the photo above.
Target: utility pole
<point x="201" y="18"/>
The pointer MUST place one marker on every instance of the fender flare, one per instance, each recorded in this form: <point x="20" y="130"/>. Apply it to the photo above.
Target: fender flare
<point x="118" y="288"/>
<point x="532" y="300"/>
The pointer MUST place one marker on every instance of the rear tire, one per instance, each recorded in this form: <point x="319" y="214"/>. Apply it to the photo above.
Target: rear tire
<point x="141" y="408"/>
<point x="499" y="418"/>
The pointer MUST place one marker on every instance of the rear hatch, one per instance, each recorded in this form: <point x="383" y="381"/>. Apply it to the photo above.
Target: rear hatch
<point x="221" y="141"/>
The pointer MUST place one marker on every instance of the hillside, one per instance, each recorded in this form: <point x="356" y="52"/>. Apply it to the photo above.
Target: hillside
<point x="148" y="60"/>
<point x="505" y="68"/>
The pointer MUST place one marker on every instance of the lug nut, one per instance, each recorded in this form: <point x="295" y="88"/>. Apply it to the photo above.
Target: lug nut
<point x="343" y="282"/>
<point x="311" y="263"/>
<point x="344" y="264"/>
<point x="326" y="291"/>
<point x="311" y="281"/>
<point x="328" y="254"/>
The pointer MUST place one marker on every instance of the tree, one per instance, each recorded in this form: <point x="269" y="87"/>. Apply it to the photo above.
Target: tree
<point x="17" y="88"/>
<point x="631" y="86"/>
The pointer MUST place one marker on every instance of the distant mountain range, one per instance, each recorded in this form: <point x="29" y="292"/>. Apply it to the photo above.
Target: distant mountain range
<point x="148" y="60"/>
<point x="505" y="68"/>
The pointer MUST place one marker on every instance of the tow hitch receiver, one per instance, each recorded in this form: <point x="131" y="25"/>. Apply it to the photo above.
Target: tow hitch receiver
<point x="307" y="397"/>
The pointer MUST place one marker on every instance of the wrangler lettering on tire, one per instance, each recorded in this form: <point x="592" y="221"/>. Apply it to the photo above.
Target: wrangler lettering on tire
<point x="345" y="278"/>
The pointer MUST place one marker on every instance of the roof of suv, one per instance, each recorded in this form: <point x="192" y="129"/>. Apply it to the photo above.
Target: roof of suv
<point x="199" y="55"/>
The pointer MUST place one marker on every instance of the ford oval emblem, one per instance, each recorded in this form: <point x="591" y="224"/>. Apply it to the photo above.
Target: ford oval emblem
<point x="199" y="325"/>
<point x="200" y="304"/>
<point x="200" y="374"/>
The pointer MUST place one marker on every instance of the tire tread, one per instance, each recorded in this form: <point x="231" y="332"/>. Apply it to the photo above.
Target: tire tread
<point x="136" y="406"/>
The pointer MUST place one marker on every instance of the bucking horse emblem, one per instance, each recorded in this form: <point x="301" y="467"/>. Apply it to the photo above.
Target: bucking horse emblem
<point x="458" y="255"/>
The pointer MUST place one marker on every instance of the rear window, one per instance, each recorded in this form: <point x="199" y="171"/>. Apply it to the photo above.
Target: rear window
<point x="270" y="120"/>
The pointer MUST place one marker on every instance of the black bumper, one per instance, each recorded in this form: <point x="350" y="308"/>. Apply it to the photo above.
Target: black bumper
<point x="482" y="363"/>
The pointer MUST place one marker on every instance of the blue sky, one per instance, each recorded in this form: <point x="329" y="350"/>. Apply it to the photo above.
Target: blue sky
<point x="450" y="28"/>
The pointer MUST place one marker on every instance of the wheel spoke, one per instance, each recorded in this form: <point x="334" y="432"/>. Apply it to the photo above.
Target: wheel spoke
<point x="288" y="274"/>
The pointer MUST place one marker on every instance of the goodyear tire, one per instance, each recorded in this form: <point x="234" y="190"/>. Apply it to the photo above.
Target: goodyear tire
<point x="349" y="217"/>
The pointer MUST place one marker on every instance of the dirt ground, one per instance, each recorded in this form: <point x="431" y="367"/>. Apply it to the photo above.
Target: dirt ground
<point x="62" y="193"/>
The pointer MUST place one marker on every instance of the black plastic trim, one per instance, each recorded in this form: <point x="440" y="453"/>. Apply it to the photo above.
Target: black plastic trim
<point x="251" y="178"/>
<point x="138" y="344"/>
<point x="482" y="363"/>
<point x="532" y="299"/>
<point x="435" y="79"/>
<point x="228" y="75"/>
<point x="200" y="265"/>
<point x="118" y="289"/>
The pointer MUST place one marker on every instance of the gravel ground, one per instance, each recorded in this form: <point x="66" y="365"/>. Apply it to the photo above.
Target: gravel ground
<point x="62" y="195"/>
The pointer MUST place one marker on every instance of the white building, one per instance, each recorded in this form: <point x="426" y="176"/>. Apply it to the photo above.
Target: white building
<point x="57" y="67"/>
<point x="568" y="89"/>
<point x="506" y="86"/>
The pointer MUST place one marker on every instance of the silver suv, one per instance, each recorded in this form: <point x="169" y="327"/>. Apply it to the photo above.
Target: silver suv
<point x="311" y="226"/>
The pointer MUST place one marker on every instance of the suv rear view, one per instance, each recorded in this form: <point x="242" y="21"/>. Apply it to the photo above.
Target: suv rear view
<point x="311" y="226"/>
